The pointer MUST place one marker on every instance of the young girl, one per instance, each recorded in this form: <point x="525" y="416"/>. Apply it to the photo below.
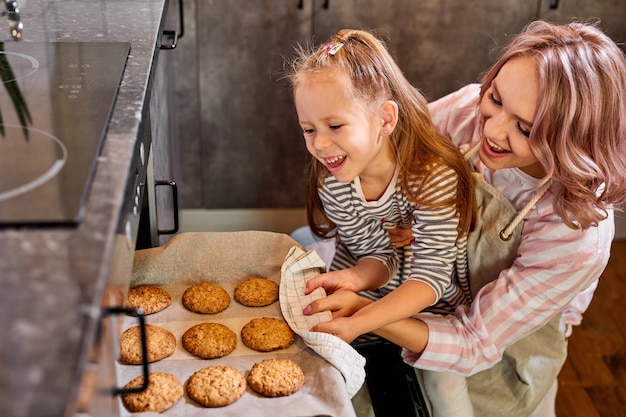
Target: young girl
<point x="549" y="127"/>
<point x="378" y="161"/>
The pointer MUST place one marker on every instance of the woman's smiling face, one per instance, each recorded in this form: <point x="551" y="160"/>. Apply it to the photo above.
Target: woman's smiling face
<point x="338" y="131"/>
<point x="508" y="108"/>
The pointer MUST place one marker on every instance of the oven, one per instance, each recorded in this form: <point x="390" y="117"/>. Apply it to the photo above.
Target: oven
<point x="74" y="134"/>
<point x="56" y="100"/>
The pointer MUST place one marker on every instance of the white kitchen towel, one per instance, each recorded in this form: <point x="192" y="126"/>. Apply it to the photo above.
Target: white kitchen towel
<point x="298" y="267"/>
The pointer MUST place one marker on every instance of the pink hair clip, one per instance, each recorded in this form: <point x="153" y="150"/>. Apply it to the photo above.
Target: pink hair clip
<point x="332" y="49"/>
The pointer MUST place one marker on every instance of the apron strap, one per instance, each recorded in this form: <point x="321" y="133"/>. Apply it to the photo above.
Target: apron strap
<point x="505" y="234"/>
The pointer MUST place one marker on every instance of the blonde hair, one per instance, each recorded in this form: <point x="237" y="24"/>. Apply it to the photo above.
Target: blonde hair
<point x="374" y="78"/>
<point x="579" y="130"/>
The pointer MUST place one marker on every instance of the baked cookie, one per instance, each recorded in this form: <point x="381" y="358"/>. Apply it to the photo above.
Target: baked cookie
<point x="256" y="292"/>
<point x="164" y="390"/>
<point x="216" y="386"/>
<point x="149" y="298"/>
<point x="161" y="344"/>
<point x="206" y="298"/>
<point x="267" y="334"/>
<point x="276" y="377"/>
<point x="209" y="340"/>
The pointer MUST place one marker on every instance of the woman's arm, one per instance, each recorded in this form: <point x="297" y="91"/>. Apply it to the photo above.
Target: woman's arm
<point x="553" y="266"/>
<point x="409" y="298"/>
<point x="409" y="333"/>
<point x="524" y="297"/>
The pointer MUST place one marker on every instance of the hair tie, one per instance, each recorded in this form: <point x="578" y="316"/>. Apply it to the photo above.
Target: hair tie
<point x="332" y="49"/>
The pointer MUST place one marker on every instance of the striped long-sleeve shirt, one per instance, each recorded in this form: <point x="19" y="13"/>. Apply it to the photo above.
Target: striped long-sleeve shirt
<point x="555" y="272"/>
<point x="437" y="257"/>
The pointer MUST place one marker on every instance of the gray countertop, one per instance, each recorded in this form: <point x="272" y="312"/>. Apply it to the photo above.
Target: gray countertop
<point x="52" y="280"/>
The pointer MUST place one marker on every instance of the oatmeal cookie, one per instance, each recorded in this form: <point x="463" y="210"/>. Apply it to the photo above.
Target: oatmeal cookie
<point x="256" y="292"/>
<point x="216" y="386"/>
<point x="276" y="377"/>
<point x="267" y="334"/>
<point x="164" y="390"/>
<point x="206" y="298"/>
<point x="149" y="298"/>
<point x="209" y="340"/>
<point x="161" y="344"/>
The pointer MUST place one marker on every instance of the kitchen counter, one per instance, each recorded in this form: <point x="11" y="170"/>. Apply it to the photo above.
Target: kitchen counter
<point x="52" y="280"/>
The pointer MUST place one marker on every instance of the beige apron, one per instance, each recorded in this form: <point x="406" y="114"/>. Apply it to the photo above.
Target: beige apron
<point x="515" y="385"/>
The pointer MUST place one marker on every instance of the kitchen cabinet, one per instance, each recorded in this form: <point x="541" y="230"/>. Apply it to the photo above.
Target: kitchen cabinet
<point x="240" y="144"/>
<point x="162" y="204"/>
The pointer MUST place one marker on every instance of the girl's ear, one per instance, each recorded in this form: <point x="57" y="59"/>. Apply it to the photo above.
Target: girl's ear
<point x="389" y="116"/>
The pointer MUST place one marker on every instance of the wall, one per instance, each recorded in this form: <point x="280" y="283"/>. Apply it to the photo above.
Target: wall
<point x="229" y="162"/>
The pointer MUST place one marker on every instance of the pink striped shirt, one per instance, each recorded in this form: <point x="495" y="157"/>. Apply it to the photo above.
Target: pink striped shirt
<point x="556" y="270"/>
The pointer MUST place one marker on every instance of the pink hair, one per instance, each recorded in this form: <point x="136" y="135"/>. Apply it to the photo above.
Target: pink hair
<point x="579" y="130"/>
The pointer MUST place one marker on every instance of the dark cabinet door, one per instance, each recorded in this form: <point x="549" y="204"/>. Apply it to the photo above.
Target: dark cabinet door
<point x="253" y="153"/>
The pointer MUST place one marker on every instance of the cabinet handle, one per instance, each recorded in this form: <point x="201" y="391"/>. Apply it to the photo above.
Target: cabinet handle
<point x="137" y="312"/>
<point x="181" y="17"/>
<point x="324" y="5"/>
<point x="173" y="36"/>
<point x="554" y="4"/>
<point x="172" y="185"/>
<point x="172" y="33"/>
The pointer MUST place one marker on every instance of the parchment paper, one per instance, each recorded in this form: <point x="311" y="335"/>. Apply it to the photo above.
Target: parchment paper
<point x="226" y="258"/>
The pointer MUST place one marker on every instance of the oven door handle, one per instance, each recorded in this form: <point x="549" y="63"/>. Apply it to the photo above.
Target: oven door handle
<point x="171" y="34"/>
<point x="137" y="312"/>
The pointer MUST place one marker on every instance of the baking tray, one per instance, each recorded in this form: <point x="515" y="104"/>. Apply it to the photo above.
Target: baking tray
<point x="324" y="390"/>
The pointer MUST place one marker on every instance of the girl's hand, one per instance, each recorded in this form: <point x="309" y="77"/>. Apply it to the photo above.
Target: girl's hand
<point x="401" y="236"/>
<point x="332" y="281"/>
<point x="339" y="303"/>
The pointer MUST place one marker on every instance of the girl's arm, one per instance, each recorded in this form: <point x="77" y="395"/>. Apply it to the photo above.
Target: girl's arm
<point x="367" y="274"/>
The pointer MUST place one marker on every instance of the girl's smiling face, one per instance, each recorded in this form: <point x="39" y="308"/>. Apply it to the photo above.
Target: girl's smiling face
<point x="340" y="132"/>
<point x="508" y="108"/>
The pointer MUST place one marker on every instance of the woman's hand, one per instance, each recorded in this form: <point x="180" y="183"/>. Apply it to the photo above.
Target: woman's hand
<point x="340" y="304"/>
<point x="401" y="236"/>
<point x="341" y="327"/>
